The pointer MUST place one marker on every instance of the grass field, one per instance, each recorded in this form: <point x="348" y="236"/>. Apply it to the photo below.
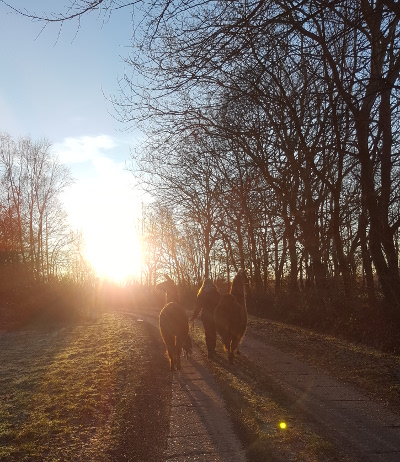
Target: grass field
<point x="97" y="391"/>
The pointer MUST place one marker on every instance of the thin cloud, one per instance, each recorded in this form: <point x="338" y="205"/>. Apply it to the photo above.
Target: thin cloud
<point x="83" y="149"/>
<point x="103" y="189"/>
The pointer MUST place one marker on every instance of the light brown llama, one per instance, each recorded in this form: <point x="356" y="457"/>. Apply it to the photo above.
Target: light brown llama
<point x="174" y="324"/>
<point x="230" y="315"/>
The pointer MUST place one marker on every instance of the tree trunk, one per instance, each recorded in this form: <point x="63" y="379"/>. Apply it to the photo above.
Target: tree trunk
<point x="379" y="235"/>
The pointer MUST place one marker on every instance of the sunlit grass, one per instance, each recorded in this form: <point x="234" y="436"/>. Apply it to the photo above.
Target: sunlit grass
<point x="61" y="391"/>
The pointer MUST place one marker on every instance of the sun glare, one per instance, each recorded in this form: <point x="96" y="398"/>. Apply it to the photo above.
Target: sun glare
<point x="114" y="256"/>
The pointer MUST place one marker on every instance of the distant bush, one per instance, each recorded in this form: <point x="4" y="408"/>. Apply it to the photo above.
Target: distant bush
<point x="328" y="311"/>
<point x="25" y="301"/>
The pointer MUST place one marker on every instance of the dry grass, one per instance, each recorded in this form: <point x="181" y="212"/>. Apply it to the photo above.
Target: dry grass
<point x="98" y="391"/>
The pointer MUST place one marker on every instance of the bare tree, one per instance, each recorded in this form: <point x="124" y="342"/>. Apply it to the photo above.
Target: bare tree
<point x="335" y="67"/>
<point x="33" y="179"/>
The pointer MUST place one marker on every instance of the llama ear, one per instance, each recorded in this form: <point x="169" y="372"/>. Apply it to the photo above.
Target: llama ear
<point x="167" y="277"/>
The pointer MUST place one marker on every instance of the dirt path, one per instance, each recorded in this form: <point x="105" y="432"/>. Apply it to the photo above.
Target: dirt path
<point x="200" y="427"/>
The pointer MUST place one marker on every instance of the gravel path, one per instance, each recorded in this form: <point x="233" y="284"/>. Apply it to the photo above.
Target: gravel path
<point x="200" y="427"/>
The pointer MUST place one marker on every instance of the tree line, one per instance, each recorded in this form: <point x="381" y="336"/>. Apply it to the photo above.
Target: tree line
<point x="34" y="229"/>
<point x="272" y="141"/>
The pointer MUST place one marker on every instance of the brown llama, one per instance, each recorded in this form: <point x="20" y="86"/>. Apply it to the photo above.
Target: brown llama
<point x="208" y="298"/>
<point x="230" y="315"/>
<point x="174" y="324"/>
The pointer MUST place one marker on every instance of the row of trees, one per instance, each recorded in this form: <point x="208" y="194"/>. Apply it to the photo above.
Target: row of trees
<point x="274" y="140"/>
<point x="33" y="224"/>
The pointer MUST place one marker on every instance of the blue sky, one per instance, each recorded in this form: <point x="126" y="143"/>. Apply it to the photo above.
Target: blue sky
<point x="53" y="84"/>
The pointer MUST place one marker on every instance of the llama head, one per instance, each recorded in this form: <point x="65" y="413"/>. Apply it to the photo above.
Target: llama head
<point x="243" y="274"/>
<point x="208" y="295"/>
<point x="170" y="289"/>
<point x="207" y="286"/>
<point x="167" y="285"/>
<point x="240" y="285"/>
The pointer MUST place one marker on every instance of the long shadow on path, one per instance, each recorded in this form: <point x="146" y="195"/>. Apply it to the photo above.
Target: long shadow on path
<point x="200" y="428"/>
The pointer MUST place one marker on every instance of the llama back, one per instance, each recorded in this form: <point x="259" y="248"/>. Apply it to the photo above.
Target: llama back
<point x="238" y="322"/>
<point x="238" y="289"/>
<point x="230" y="319"/>
<point x="173" y="320"/>
<point x="174" y="329"/>
<point x="221" y="317"/>
<point x="208" y="297"/>
<point x="230" y="316"/>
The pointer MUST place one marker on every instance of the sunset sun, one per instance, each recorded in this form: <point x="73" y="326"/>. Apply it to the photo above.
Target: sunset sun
<point x="116" y="257"/>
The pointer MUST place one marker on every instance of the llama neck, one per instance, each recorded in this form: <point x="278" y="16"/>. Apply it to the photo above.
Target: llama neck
<point x="240" y="297"/>
<point x="238" y="291"/>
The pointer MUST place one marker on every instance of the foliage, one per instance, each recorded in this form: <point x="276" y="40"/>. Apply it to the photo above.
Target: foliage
<point x="275" y="113"/>
<point x="26" y="301"/>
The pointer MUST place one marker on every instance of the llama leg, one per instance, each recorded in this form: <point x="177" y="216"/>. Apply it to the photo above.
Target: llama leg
<point x="179" y="346"/>
<point x="178" y="359"/>
<point x="211" y="338"/>
<point x="230" y="354"/>
<point x="171" y="360"/>
<point x="227" y="347"/>
<point x="171" y="354"/>
<point x="187" y="346"/>
<point x="234" y="345"/>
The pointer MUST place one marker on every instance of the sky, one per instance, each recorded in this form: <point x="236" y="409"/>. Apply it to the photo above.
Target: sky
<point x="54" y="84"/>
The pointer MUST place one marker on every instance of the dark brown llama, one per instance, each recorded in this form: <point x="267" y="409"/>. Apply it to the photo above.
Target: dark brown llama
<point x="174" y="324"/>
<point x="208" y="298"/>
<point x="230" y="315"/>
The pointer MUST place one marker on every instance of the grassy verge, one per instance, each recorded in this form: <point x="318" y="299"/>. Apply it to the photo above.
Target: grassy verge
<point x="258" y="407"/>
<point x="99" y="391"/>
